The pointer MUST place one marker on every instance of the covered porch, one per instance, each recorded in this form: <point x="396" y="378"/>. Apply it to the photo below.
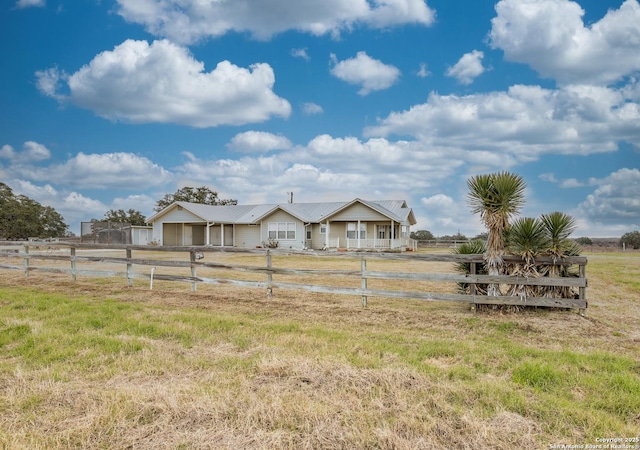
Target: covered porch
<point x="209" y="234"/>
<point x="374" y="235"/>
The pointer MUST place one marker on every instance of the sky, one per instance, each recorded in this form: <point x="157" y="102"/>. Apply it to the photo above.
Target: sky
<point x="111" y="104"/>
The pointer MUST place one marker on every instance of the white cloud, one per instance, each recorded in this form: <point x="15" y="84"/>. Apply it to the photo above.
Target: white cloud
<point x="566" y="183"/>
<point x="468" y="67"/>
<point x="327" y="168"/>
<point x="84" y="207"/>
<point x="42" y="194"/>
<point x="258" y="142"/>
<point x="371" y="74"/>
<point x="29" y="3"/>
<point x="190" y="21"/>
<point x="551" y="37"/>
<point x="520" y="124"/>
<point x="50" y="82"/>
<point x="571" y="183"/>
<point x="31" y="152"/>
<point x="310" y="108"/>
<point x="300" y="53"/>
<point x="617" y="198"/>
<point x="7" y="152"/>
<point x="423" y="72"/>
<point x="99" y="171"/>
<point x="442" y="212"/>
<point x="549" y="176"/>
<point x="163" y="83"/>
<point x="138" y="202"/>
<point x="437" y="202"/>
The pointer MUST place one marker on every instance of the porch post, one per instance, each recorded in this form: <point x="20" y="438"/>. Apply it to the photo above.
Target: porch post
<point x="207" y="238"/>
<point x="375" y="235"/>
<point x="326" y="235"/>
<point x="358" y="233"/>
<point x="222" y="235"/>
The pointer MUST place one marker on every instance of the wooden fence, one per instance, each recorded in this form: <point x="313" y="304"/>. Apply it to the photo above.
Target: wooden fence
<point x="56" y="252"/>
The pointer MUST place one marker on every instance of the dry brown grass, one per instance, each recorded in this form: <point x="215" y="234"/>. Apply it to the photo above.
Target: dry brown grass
<point x="307" y="370"/>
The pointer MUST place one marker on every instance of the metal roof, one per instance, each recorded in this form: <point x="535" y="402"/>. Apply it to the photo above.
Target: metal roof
<point x="396" y="210"/>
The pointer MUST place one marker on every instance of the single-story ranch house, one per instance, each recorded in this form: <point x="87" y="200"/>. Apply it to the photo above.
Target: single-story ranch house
<point x="358" y="224"/>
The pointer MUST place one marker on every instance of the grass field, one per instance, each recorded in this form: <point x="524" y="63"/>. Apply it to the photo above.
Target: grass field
<point x="97" y="364"/>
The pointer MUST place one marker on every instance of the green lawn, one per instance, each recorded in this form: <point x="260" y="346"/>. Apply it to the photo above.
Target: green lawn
<point x="96" y="364"/>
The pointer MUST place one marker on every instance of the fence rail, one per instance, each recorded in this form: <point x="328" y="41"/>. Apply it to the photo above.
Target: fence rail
<point x="46" y="252"/>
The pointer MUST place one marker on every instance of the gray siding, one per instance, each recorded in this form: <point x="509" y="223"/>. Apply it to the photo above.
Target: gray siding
<point x="215" y="235"/>
<point x="172" y="234"/>
<point x="181" y="215"/>
<point x="358" y="211"/>
<point x="281" y="216"/>
<point x="157" y="232"/>
<point x="338" y="230"/>
<point x="247" y="236"/>
<point x="317" y="240"/>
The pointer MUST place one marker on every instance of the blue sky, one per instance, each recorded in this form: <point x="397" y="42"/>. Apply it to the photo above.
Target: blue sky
<point x="112" y="104"/>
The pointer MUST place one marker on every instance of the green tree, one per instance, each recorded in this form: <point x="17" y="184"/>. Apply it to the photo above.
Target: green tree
<point x="130" y="216"/>
<point x="53" y="223"/>
<point x="422" y="235"/>
<point x="190" y="194"/>
<point x="630" y="239"/>
<point x="497" y="197"/>
<point x="453" y="237"/>
<point x="22" y="217"/>
<point x="482" y="236"/>
<point x="584" y="241"/>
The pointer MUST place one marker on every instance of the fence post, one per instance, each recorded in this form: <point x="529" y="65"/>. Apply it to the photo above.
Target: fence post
<point x="192" y="258"/>
<point x="582" y="290"/>
<point x="26" y="261"/>
<point x="73" y="264"/>
<point x="472" y="290"/>
<point x="363" y="284"/>
<point x="269" y="276"/>
<point x="129" y="268"/>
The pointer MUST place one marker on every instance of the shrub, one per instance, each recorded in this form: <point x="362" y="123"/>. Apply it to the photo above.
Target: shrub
<point x="584" y="241"/>
<point x="631" y="239"/>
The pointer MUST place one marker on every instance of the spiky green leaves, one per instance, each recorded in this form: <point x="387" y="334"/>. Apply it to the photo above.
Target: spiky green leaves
<point x="559" y="227"/>
<point x="527" y="237"/>
<point x="496" y="194"/>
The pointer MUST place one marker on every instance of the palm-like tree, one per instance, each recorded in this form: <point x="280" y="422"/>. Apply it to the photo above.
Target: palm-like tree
<point x="559" y="226"/>
<point x="497" y="198"/>
<point x="475" y="247"/>
<point x="527" y="238"/>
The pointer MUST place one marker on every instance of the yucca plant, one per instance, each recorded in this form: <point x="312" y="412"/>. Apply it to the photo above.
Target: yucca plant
<point x="527" y="238"/>
<point x="475" y="247"/>
<point x="497" y="198"/>
<point x="559" y="227"/>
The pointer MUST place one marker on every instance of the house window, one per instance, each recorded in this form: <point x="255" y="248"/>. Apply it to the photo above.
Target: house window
<point x="282" y="230"/>
<point x="323" y="228"/>
<point x="382" y="231"/>
<point x="353" y="226"/>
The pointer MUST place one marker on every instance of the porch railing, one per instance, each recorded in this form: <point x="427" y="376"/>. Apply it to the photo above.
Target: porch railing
<point x="382" y="243"/>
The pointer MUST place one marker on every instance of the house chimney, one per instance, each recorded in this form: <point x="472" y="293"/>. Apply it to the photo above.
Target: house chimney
<point x="290" y="194"/>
